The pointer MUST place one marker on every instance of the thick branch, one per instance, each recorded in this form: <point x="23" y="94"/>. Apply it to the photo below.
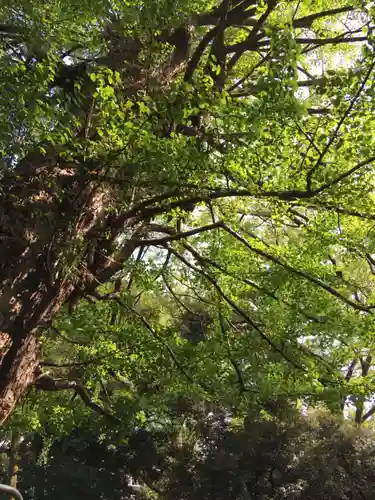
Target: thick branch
<point x="351" y="369"/>
<point x="146" y="208"/>
<point x="333" y="41"/>
<point x="307" y="21"/>
<point x="237" y="15"/>
<point x="369" y="414"/>
<point x="253" y="35"/>
<point x="196" y="57"/>
<point x="348" y="376"/>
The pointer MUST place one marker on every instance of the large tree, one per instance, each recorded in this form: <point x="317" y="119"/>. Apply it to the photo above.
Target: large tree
<point x="136" y="125"/>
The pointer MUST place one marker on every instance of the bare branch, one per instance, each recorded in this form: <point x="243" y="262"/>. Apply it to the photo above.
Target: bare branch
<point x="351" y="369"/>
<point x="369" y="414"/>
<point x="318" y="42"/>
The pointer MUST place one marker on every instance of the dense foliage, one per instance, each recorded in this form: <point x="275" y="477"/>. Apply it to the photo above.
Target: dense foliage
<point x="187" y="228"/>
<point x="206" y="456"/>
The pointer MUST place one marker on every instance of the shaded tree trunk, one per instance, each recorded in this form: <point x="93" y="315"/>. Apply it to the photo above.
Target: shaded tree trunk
<point x="49" y="218"/>
<point x="13" y="460"/>
<point x="40" y="471"/>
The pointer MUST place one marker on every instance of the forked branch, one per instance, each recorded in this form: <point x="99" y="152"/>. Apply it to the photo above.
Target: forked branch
<point x="47" y="383"/>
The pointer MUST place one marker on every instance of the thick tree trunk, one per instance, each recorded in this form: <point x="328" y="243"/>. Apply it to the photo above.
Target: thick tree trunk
<point x="59" y="239"/>
<point x="49" y="218"/>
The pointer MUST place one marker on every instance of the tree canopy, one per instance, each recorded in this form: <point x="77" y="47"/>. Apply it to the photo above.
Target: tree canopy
<point x="187" y="213"/>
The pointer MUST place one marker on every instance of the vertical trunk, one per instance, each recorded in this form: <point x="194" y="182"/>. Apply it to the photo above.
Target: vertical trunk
<point x="13" y="460"/>
<point x="40" y="468"/>
<point x="360" y="402"/>
<point x="54" y="245"/>
<point x="28" y="296"/>
<point x="18" y="371"/>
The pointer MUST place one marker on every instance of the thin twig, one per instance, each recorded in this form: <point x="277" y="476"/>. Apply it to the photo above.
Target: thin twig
<point x="234" y="363"/>
<point x="237" y="308"/>
<point x="338" y="127"/>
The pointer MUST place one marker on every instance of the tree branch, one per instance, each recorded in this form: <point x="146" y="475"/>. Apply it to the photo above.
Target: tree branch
<point x="170" y="351"/>
<point x="248" y="75"/>
<point x="237" y="15"/>
<point x="47" y="383"/>
<point x="351" y="369"/>
<point x="302" y="274"/>
<point x="343" y="176"/>
<point x="67" y="339"/>
<point x="340" y="210"/>
<point x="236" y="308"/>
<point x="78" y="363"/>
<point x="155" y="335"/>
<point x="196" y="57"/>
<point x="307" y="21"/>
<point x="177" y="236"/>
<point x="250" y="283"/>
<point x="174" y="295"/>
<point x="369" y="414"/>
<point x="318" y="42"/>
<point x="312" y="43"/>
<point x="253" y="35"/>
<point x="234" y="363"/>
<point x="146" y="209"/>
<point x="337" y="129"/>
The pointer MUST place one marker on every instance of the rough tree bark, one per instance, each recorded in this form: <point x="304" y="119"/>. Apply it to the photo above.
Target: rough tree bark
<point x="48" y="220"/>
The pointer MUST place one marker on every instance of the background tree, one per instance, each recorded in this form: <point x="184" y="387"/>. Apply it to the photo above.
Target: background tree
<point x="194" y="454"/>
